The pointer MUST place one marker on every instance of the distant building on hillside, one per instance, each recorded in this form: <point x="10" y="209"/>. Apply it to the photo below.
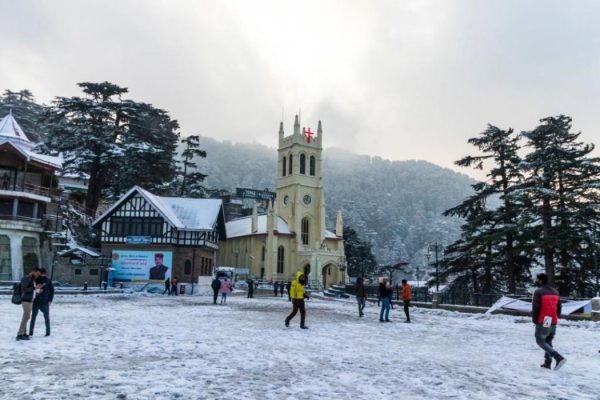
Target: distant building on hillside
<point x="27" y="188"/>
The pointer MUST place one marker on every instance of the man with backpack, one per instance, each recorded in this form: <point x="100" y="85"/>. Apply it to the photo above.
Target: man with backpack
<point x="26" y="289"/>
<point x="44" y="295"/>
<point x="298" y="295"/>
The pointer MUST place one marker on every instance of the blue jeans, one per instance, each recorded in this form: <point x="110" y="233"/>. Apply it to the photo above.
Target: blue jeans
<point x="385" y="307"/>
<point x="543" y="338"/>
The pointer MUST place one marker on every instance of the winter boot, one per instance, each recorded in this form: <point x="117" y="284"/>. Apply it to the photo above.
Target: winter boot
<point x="287" y="323"/>
<point x="546" y="365"/>
<point x="560" y="361"/>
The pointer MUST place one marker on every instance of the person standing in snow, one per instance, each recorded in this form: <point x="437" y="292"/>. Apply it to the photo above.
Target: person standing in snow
<point x="406" y="296"/>
<point x="288" y="287"/>
<point x="298" y="295"/>
<point x="250" y="288"/>
<point x="275" y="287"/>
<point x="44" y="295"/>
<point x="174" y="286"/>
<point x="27" y="287"/>
<point x="281" y="288"/>
<point x="546" y="309"/>
<point x="167" y="287"/>
<point x="215" y="285"/>
<point x="384" y="300"/>
<point x="361" y="295"/>
<point x="225" y="290"/>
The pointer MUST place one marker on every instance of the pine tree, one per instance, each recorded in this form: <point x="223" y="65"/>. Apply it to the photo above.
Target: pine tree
<point x="359" y="257"/>
<point x="116" y="142"/>
<point x="191" y="181"/>
<point x="562" y="191"/>
<point x="490" y="229"/>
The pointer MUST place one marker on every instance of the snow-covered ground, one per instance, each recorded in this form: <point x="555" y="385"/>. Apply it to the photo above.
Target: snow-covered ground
<point x="153" y="347"/>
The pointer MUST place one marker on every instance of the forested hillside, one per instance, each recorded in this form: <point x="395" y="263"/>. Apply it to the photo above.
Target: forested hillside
<point x="396" y="205"/>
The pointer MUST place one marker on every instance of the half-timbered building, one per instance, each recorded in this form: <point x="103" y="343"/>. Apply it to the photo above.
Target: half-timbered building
<point x="150" y="237"/>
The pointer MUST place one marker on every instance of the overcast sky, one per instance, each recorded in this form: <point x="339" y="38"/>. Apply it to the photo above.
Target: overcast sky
<point x="398" y="79"/>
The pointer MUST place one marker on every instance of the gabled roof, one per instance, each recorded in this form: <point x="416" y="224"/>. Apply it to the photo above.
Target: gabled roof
<point x="12" y="134"/>
<point x="182" y="213"/>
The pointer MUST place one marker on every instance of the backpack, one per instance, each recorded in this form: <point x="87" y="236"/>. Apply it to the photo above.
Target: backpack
<point x="16" y="297"/>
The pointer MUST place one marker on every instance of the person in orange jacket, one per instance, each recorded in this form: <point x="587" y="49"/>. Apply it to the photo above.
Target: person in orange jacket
<point x="406" y="295"/>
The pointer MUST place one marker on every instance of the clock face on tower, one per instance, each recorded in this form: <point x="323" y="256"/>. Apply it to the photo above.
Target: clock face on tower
<point x="286" y="200"/>
<point x="306" y="199"/>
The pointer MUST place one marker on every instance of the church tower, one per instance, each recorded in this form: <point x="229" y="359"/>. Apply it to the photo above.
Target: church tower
<point x="300" y="198"/>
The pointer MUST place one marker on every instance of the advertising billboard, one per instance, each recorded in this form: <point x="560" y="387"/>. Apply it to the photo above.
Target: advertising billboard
<point x="142" y="265"/>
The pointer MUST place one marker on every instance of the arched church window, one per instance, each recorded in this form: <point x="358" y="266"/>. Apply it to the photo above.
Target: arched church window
<point x="304" y="234"/>
<point x="280" y="256"/>
<point x="291" y="163"/>
<point x="187" y="268"/>
<point x="313" y="165"/>
<point x="302" y="164"/>
<point x="284" y="166"/>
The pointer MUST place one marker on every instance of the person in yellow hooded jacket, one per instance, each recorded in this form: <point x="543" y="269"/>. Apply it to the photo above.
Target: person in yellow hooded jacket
<point x="298" y="295"/>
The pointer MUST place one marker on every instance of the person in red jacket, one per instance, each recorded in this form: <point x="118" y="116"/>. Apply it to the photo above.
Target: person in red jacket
<point x="406" y="296"/>
<point x="546" y="309"/>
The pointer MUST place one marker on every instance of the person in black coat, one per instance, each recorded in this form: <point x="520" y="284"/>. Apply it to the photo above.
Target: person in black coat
<point x="167" y="287"/>
<point x="27" y="288"/>
<point x="216" y="285"/>
<point x="250" y="288"/>
<point x="44" y="290"/>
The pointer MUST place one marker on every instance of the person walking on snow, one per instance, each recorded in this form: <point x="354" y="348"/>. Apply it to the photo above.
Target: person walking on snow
<point x="406" y="296"/>
<point x="225" y="290"/>
<point x="384" y="300"/>
<point x="250" y="288"/>
<point x="546" y="309"/>
<point x="174" y="287"/>
<point x="361" y="295"/>
<point x="275" y="287"/>
<point x="215" y="285"/>
<point x="298" y="296"/>
<point x="167" y="287"/>
<point x="281" y="288"/>
<point x="44" y="295"/>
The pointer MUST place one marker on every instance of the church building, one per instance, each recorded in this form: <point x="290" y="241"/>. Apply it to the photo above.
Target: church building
<point x="291" y="236"/>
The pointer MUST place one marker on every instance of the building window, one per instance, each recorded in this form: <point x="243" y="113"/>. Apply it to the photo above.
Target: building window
<point x="302" y="164"/>
<point x="280" y="256"/>
<point x="305" y="226"/>
<point x="93" y="271"/>
<point x="77" y="271"/>
<point x="29" y="248"/>
<point x="284" y="166"/>
<point x="313" y="165"/>
<point x="5" y="263"/>
<point x="187" y="268"/>
<point x="131" y="226"/>
<point x="263" y="253"/>
<point x="291" y="161"/>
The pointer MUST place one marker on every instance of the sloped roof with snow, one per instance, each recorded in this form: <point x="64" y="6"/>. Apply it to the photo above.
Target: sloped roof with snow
<point x="182" y="213"/>
<point x="10" y="128"/>
<point x="11" y="132"/>
<point x="243" y="226"/>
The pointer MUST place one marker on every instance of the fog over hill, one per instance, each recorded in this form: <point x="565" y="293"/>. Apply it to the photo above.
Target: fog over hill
<point x="396" y="205"/>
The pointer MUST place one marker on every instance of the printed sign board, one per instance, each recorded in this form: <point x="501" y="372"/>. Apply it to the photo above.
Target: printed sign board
<point x="138" y="239"/>
<point x="255" y="194"/>
<point x="141" y="265"/>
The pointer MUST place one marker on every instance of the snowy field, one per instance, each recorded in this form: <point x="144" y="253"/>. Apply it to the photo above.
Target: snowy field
<point x="153" y="347"/>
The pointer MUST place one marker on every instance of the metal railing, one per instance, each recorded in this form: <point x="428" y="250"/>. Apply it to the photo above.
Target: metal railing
<point x="29" y="188"/>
